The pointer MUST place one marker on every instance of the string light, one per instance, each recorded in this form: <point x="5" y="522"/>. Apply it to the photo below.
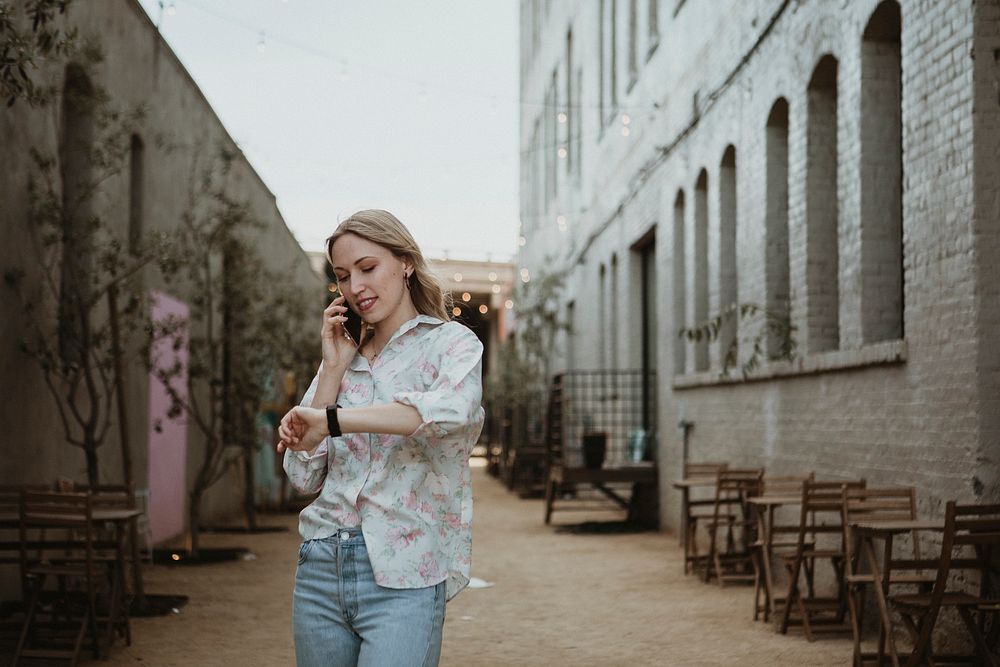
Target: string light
<point x="493" y="275"/>
<point x="466" y="297"/>
<point x="525" y="275"/>
<point x="495" y="289"/>
<point x="508" y="304"/>
<point x="457" y="277"/>
<point x="484" y="309"/>
<point x="456" y="311"/>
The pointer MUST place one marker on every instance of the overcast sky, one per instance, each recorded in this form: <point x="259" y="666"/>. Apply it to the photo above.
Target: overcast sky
<point x="407" y="105"/>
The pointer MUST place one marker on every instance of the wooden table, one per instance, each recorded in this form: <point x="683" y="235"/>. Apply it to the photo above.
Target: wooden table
<point x="115" y="515"/>
<point x="866" y="533"/>
<point x="764" y="508"/>
<point x="634" y="474"/>
<point x="121" y="518"/>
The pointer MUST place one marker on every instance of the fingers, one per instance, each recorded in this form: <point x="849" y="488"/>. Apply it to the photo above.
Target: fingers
<point x="288" y="430"/>
<point x="334" y="314"/>
<point x="336" y="306"/>
<point x="286" y="434"/>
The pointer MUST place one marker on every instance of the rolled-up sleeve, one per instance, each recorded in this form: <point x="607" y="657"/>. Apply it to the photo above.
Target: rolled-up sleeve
<point x="307" y="473"/>
<point x="453" y="401"/>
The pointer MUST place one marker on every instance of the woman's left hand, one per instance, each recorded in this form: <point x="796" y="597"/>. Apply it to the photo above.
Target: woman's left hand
<point x="302" y="429"/>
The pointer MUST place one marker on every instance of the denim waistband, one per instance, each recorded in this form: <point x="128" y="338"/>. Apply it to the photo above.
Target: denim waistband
<point x="352" y="536"/>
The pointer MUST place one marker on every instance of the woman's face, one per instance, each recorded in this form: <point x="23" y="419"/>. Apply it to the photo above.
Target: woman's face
<point x="371" y="278"/>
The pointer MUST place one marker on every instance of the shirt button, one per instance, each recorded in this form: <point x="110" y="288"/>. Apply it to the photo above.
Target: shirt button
<point x="345" y="536"/>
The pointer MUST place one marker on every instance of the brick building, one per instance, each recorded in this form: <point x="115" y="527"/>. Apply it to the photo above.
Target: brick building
<point x="834" y="164"/>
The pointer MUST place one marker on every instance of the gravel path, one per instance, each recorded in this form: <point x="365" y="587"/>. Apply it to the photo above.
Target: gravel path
<point x="557" y="599"/>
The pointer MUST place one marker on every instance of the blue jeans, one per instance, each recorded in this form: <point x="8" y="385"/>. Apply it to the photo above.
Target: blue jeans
<point x="341" y="617"/>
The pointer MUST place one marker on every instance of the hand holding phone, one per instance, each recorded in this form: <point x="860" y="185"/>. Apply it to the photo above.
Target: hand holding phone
<point x="339" y="346"/>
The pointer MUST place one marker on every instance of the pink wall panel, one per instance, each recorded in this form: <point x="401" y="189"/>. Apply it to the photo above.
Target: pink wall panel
<point x="167" y="437"/>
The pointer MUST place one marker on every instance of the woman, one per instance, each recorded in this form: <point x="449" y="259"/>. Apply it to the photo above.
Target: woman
<point x="389" y="538"/>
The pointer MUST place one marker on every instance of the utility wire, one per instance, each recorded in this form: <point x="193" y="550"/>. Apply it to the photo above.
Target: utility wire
<point x="422" y="83"/>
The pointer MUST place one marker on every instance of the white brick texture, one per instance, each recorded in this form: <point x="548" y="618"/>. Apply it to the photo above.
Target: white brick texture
<point x="910" y="260"/>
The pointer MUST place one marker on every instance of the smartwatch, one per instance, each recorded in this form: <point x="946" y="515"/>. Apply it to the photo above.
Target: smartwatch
<point x="331" y="421"/>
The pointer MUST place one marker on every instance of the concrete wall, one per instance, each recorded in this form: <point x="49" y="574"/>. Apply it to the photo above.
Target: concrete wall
<point x="895" y="383"/>
<point x="181" y="136"/>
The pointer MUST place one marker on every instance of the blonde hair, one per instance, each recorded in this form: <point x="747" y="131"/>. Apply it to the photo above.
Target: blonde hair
<point x="384" y="229"/>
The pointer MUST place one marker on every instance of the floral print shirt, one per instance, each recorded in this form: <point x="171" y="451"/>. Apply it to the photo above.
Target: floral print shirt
<point x="411" y="495"/>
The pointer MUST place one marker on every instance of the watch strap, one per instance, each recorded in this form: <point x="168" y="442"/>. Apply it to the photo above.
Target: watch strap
<point x="332" y="424"/>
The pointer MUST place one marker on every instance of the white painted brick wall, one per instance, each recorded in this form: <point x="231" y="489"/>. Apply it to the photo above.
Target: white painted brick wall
<point x="932" y="420"/>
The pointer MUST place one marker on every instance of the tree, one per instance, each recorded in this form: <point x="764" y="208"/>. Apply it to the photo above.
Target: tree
<point x="517" y="384"/>
<point x="525" y="360"/>
<point x="242" y="320"/>
<point x="72" y="304"/>
<point x="22" y="47"/>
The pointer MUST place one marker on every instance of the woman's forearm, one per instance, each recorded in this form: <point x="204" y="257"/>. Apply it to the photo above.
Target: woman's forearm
<point x="328" y="387"/>
<point x="304" y="428"/>
<point x="390" y="418"/>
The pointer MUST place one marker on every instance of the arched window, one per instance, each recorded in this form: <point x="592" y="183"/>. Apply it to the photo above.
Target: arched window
<point x="822" y="252"/>
<point x="679" y="286"/>
<point x="776" y="224"/>
<point x="728" y="286"/>
<point x="699" y="282"/>
<point x="75" y="169"/>
<point x="633" y="61"/>
<point x="571" y="336"/>
<point x="602" y="314"/>
<point x="613" y="314"/>
<point x="136" y="192"/>
<point x="881" y="177"/>
<point x="609" y="61"/>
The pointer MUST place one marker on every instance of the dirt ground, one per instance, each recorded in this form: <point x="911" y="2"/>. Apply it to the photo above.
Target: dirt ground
<point x="558" y="599"/>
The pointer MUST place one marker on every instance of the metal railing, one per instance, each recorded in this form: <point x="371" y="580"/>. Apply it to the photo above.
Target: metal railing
<point x="617" y="407"/>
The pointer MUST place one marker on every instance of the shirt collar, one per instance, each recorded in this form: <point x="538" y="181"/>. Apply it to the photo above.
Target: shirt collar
<point x="360" y="363"/>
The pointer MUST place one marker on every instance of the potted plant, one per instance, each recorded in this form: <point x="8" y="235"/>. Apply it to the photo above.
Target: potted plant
<point x="595" y="445"/>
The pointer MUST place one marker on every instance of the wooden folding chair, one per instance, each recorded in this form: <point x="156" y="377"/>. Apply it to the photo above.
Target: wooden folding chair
<point x="730" y="560"/>
<point x="971" y="537"/>
<point x="118" y="496"/>
<point x="79" y="569"/>
<point x="820" y="537"/>
<point x="10" y="513"/>
<point x="772" y="537"/>
<point x="697" y="507"/>
<point x="873" y="505"/>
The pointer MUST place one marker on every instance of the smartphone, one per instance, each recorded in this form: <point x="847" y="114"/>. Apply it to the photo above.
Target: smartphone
<point x="354" y="321"/>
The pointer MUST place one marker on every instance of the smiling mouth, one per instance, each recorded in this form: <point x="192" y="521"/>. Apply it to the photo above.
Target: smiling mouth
<point x="365" y="304"/>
